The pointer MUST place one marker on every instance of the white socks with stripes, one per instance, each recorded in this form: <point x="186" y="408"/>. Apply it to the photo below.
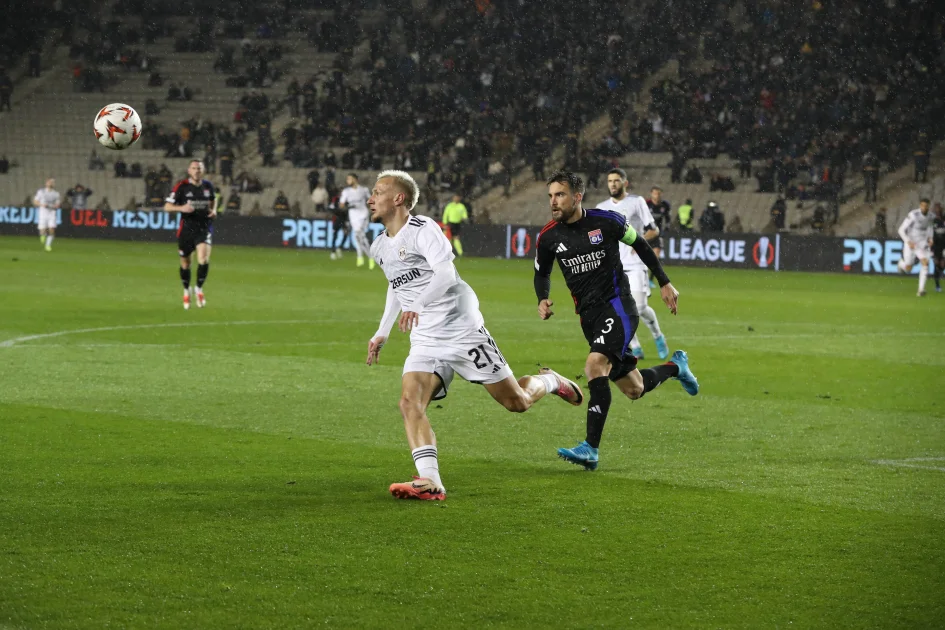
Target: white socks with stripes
<point x="427" y="465"/>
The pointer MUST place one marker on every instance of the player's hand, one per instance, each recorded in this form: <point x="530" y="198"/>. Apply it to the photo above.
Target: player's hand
<point x="544" y="309"/>
<point x="187" y="208"/>
<point x="910" y="244"/>
<point x="408" y="319"/>
<point x="670" y="296"/>
<point x="213" y="213"/>
<point x="374" y="349"/>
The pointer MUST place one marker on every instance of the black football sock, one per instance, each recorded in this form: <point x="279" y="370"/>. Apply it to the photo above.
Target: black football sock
<point x="597" y="408"/>
<point x="185" y="277"/>
<point x="655" y="376"/>
<point x="938" y="276"/>
<point x="202" y="271"/>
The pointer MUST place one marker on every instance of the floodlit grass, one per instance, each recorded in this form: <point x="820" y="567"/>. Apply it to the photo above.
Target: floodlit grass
<point x="228" y="467"/>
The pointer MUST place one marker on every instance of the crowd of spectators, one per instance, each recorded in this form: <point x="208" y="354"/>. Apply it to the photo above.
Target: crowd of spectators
<point x="469" y="91"/>
<point x="818" y="91"/>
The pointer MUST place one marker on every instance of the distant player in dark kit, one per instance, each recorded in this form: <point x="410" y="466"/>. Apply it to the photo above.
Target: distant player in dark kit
<point x="586" y="245"/>
<point x="195" y="199"/>
<point x="938" y="244"/>
<point x="662" y="218"/>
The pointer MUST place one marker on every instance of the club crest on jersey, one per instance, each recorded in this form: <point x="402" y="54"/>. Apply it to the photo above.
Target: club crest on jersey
<point x="402" y="254"/>
<point x="595" y="237"/>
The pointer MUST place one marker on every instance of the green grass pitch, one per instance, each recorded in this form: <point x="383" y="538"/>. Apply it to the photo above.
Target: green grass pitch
<point x="228" y="467"/>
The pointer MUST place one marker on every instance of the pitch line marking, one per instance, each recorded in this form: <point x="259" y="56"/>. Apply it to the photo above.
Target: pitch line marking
<point x="9" y="343"/>
<point x="911" y="463"/>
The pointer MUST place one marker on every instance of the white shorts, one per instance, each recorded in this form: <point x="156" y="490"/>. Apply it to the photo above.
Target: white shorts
<point x="639" y="281"/>
<point x="911" y="256"/>
<point x="47" y="219"/>
<point x="475" y="357"/>
<point x="358" y="220"/>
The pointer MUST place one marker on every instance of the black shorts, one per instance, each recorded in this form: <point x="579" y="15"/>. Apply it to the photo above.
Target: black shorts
<point x="609" y="329"/>
<point x="189" y="235"/>
<point x="938" y="253"/>
<point x="656" y="243"/>
<point x="455" y="228"/>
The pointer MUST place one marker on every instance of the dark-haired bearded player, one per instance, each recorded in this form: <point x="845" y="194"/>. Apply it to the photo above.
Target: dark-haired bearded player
<point x="195" y="199"/>
<point x="586" y="245"/>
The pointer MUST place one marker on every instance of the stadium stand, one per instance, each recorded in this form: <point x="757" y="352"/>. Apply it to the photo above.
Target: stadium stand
<point x="427" y="85"/>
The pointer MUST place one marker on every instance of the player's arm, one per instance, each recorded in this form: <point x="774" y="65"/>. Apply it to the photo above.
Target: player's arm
<point x="213" y="205"/>
<point x="391" y="309"/>
<point x="650" y="231"/>
<point x="432" y="245"/>
<point x="668" y="293"/>
<point x="172" y="203"/>
<point x="904" y="230"/>
<point x="544" y="262"/>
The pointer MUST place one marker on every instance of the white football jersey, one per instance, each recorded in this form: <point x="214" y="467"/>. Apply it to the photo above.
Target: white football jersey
<point x="638" y="215"/>
<point x="47" y="198"/>
<point x="408" y="260"/>
<point x="917" y="227"/>
<point x="355" y="197"/>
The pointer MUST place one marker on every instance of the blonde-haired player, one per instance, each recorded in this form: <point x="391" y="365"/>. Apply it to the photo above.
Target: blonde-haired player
<point x="916" y="234"/>
<point x="48" y="200"/>
<point x="447" y="333"/>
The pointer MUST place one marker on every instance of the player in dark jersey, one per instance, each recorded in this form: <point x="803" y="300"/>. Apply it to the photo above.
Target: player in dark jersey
<point x="196" y="201"/>
<point x="659" y="208"/>
<point x="586" y="246"/>
<point x="938" y="245"/>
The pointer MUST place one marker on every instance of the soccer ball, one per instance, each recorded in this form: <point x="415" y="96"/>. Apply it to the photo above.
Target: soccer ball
<point x="117" y="126"/>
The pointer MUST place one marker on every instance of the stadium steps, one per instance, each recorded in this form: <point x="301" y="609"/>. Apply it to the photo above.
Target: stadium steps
<point x="897" y="193"/>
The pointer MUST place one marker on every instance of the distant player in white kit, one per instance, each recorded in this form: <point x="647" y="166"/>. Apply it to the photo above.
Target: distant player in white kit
<point x="354" y="200"/>
<point x="916" y="234"/>
<point x="447" y="335"/>
<point x="48" y="200"/>
<point x="638" y="215"/>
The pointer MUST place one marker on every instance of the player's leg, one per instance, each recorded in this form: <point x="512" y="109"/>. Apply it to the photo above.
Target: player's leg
<point x="455" y="230"/>
<point x="417" y="390"/>
<point x="939" y="261"/>
<point x="185" y="249"/>
<point x="519" y="395"/>
<point x="636" y="383"/>
<point x="477" y="358"/>
<point x="363" y="247"/>
<point x="203" y="269"/>
<point x="340" y="236"/>
<point x="640" y="290"/>
<point x="636" y="349"/>
<point x="907" y="262"/>
<point x="585" y="454"/>
<point x="47" y="224"/>
<point x="358" y="221"/>
<point x="923" y="272"/>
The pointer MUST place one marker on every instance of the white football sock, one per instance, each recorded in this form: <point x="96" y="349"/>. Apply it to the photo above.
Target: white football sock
<point x="49" y="238"/>
<point x="635" y="343"/>
<point x="647" y="314"/>
<point x="550" y="381"/>
<point x="427" y="464"/>
<point x="923" y="276"/>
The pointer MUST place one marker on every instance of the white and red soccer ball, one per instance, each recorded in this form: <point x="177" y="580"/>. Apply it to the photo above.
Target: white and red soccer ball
<point x="117" y="126"/>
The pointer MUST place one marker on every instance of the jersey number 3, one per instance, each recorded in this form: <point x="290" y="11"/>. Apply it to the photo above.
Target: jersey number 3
<point x="610" y="325"/>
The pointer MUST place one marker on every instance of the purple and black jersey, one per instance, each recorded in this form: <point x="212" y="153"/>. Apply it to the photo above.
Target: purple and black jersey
<point x="588" y="253"/>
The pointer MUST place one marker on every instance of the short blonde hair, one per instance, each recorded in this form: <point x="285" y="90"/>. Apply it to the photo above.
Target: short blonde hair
<point x="407" y="184"/>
